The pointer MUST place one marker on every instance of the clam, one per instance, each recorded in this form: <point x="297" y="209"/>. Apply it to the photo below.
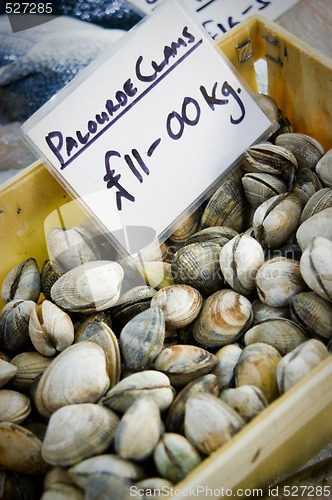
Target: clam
<point x="132" y="302"/>
<point x="84" y="365"/>
<point x="270" y="108"/>
<point x="20" y="449"/>
<point x="100" y="486"/>
<point x="262" y="311"/>
<point x="319" y="201"/>
<point x="106" y="464"/>
<point x="224" y="317"/>
<point x="226" y="207"/>
<point x="306" y="184"/>
<point x="197" y="265"/>
<point x="239" y="260"/>
<point x="247" y="400"/>
<point x="281" y="333"/>
<point x="22" y="282"/>
<point x="156" y="274"/>
<point x="187" y="228"/>
<point x="29" y="365"/>
<point x="175" y="415"/>
<point x="72" y="247"/>
<point x="7" y="371"/>
<point x="313" y="314"/>
<point x="316" y="267"/>
<point x="157" y="485"/>
<point x="277" y="280"/>
<point x="175" y="457"/>
<point x="179" y="303"/>
<point x="259" y="187"/>
<point x="94" y="329"/>
<point x="209" y="422"/>
<point x="51" y="330"/>
<point x="142" y="339"/>
<point x="58" y="485"/>
<point x="306" y="149"/>
<point x="16" y="486"/>
<point x="78" y="431"/>
<point x="14" y="406"/>
<point x="228" y="357"/>
<point x="270" y="159"/>
<point x="184" y="363"/>
<point x="298" y="363"/>
<point x="214" y="234"/>
<point x="14" y="325"/>
<point x="257" y="366"/>
<point x="139" y="430"/>
<point x="277" y="219"/>
<point x="50" y="273"/>
<point x="133" y="387"/>
<point x="316" y="225"/>
<point x="324" y="168"/>
<point x="88" y="288"/>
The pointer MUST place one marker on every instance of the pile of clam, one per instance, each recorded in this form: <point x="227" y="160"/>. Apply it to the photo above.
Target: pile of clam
<point x="116" y="378"/>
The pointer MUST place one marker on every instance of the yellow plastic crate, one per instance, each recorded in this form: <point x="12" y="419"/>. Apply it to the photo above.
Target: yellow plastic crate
<point x="297" y="425"/>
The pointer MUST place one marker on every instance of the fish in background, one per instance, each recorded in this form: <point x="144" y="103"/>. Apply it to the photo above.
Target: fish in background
<point x="36" y="63"/>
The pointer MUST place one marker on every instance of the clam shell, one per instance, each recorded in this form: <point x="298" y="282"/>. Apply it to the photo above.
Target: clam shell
<point x="22" y="282"/>
<point x="58" y="486"/>
<point x="239" y="260"/>
<point x="7" y="372"/>
<point x="29" y="365"/>
<point x="247" y="400"/>
<point x="50" y="329"/>
<point x="259" y="187"/>
<point x="179" y="303"/>
<point x="306" y="184"/>
<point x="262" y="311"/>
<point x="88" y="288"/>
<point x="14" y="406"/>
<point x="316" y="267"/>
<point x="50" y="273"/>
<point x="277" y="219"/>
<point x="94" y="329"/>
<point x="20" y="449"/>
<point x="130" y="389"/>
<point x="107" y="464"/>
<point x="277" y="280"/>
<point x="18" y="486"/>
<point x="228" y="357"/>
<point x="142" y="339"/>
<point x="223" y="318"/>
<point x="175" y="457"/>
<point x="197" y="265"/>
<point x="72" y="247"/>
<point x="281" y="333"/>
<point x="132" y="302"/>
<point x="306" y="150"/>
<point x="184" y="363"/>
<point x="187" y="228"/>
<point x="257" y="366"/>
<point x="84" y="365"/>
<point x="226" y="207"/>
<point x="298" y="363"/>
<point x="313" y="314"/>
<point x="324" y="168"/>
<point x="175" y="415"/>
<point x="78" y="431"/>
<point x="214" y="234"/>
<point x="209" y="422"/>
<point x="14" y="325"/>
<point x="139" y="430"/>
<point x="319" y="201"/>
<point x="317" y="225"/>
<point x="269" y="158"/>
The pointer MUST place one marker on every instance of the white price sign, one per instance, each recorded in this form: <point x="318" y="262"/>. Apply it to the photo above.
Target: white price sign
<point x="146" y="134"/>
<point x="218" y="16"/>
